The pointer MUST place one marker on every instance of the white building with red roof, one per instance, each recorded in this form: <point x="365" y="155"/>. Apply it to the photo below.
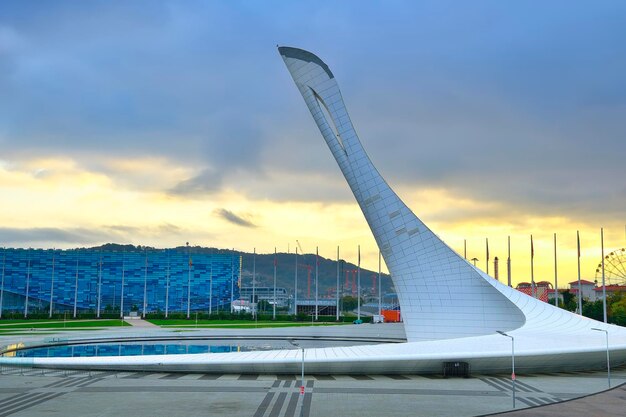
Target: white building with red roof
<point x="586" y="287"/>
<point x="610" y="290"/>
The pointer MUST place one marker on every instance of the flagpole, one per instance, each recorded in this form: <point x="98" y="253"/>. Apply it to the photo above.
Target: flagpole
<point x="295" y="287"/>
<point x="532" y="268"/>
<point x="380" y="294"/>
<point x="556" y="284"/>
<point x="254" y="312"/>
<point x="167" y="285"/>
<point x="337" y="289"/>
<point x="317" y="262"/>
<point x="603" y="283"/>
<point x="122" y="290"/>
<point x="487" y="247"/>
<point x="508" y="263"/>
<point x="76" y="287"/>
<point x="274" y="304"/>
<point x="145" y="283"/>
<point x="465" y="249"/>
<point x="99" y="302"/>
<point x="211" y="285"/>
<point x="232" y="279"/>
<point x="188" y="283"/>
<point x="52" y="287"/>
<point x="580" y="288"/>
<point x="27" y="287"/>
<point x="4" y="255"/>
<point x="358" y="292"/>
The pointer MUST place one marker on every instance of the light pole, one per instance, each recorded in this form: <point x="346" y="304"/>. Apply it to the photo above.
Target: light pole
<point x="512" y="361"/>
<point x="474" y="260"/>
<point x="302" y="389"/>
<point x="608" y="359"/>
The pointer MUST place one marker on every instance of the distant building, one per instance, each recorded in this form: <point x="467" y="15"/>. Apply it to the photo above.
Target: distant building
<point x="541" y="289"/>
<point x="610" y="290"/>
<point x="587" y="288"/>
<point x="325" y="307"/>
<point x="551" y="293"/>
<point x="92" y="279"/>
<point x="242" y="306"/>
<point x="267" y="294"/>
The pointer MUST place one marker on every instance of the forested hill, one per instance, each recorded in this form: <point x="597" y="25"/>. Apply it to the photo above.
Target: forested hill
<point x="285" y="269"/>
<point x="327" y="270"/>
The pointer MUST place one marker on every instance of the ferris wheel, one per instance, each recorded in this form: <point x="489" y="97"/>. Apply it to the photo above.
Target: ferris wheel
<point x="614" y="268"/>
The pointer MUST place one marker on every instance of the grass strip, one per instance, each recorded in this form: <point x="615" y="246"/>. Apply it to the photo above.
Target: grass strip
<point x="55" y="324"/>
<point x="250" y="325"/>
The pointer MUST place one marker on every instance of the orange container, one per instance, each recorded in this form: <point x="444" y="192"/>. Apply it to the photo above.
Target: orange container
<point x="391" y="316"/>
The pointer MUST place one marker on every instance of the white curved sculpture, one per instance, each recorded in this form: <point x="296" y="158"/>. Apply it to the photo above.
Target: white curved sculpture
<point x="441" y="295"/>
<point x="452" y="310"/>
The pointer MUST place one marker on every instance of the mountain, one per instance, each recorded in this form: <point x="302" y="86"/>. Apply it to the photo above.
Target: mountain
<point x="285" y="270"/>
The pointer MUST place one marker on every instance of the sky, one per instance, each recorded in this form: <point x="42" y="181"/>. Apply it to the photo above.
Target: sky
<point x="164" y="122"/>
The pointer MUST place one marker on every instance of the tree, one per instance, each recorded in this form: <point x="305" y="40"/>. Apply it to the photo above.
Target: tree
<point x="263" y="305"/>
<point x="569" y="301"/>
<point x="349" y="303"/>
<point x="593" y="310"/>
<point x="617" y="309"/>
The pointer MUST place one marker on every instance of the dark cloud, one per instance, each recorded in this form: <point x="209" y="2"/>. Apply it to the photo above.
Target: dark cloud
<point x="233" y="218"/>
<point x="122" y="228"/>
<point x="207" y="182"/>
<point x="40" y="235"/>
<point x="80" y="236"/>
<point x="528" y="110"/>
<point x="170" y="229"/>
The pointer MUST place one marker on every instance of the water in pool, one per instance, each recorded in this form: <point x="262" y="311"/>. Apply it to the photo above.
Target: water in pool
<point x="131" y="350"/>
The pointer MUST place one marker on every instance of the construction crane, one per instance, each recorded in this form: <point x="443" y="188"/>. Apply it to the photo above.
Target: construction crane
<point x="308" y="272"/>
<point x="308" y="279"/>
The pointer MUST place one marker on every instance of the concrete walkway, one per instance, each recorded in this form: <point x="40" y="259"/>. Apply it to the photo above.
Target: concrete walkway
<point x="607" y="403"/>
<point x="44" y="393"/>
<point x="141" y="323"/>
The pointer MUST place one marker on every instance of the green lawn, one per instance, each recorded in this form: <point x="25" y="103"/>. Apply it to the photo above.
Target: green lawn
<point x="56" y="324"/>
<point x="236" y="324"/>
<point x="257" y="326"/>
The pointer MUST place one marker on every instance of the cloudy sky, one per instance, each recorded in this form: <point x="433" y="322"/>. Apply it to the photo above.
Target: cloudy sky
<point x="161" y="122"/>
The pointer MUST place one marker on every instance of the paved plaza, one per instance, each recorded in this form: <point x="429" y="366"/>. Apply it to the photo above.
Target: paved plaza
<point x="33" y="393"/>
<point x="46" y="392"/>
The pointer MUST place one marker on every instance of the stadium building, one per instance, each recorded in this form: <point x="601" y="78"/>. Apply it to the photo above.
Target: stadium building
<point x="99" y="281"/>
